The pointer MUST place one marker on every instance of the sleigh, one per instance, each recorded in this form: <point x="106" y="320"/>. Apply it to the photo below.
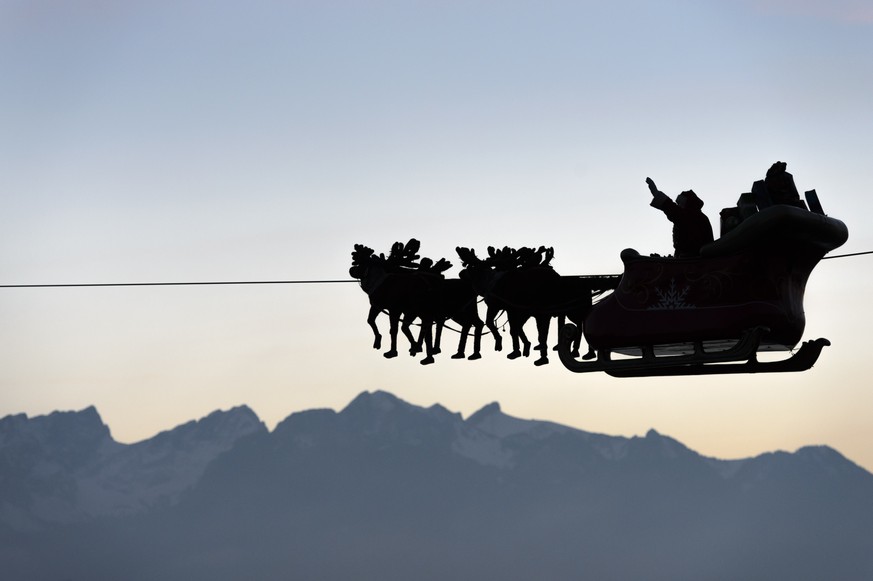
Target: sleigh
<point x="713" y="314"/>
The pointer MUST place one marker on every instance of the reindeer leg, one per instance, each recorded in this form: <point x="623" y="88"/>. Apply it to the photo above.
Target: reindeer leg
<point x="414" y="346"/>
<point x="525" y="343"/>
<point x="371" y="320"/>
<point x="427" y="331"/>
<point x="395" y="321"/>
<point x="543" y="322"/>
<point x="561" y="321"/>
<point x="516" y="352"/>
<point x="577" y="343"/>
<point x="523" y="336"/>
<point x="462" y="342"/>
<point x="439" y="333"/>
<point x="490" y="321"/>
<point x="516" y="331"/>
<point x="477" y="339"/>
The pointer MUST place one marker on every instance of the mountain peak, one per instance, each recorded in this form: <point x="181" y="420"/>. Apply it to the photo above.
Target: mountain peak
<point x="378" y="400"/>
<point x="488" y="410"/>
<point x="240" y="416"/>
<point x="491" y="420"/>
<point x="441" y="412"/>
<point x="58" y="427"/>
<point x="665" y="445"/>
<point x="69" y="437"/>
<point x="224" y="426"/>
<point x="826" y="460"/>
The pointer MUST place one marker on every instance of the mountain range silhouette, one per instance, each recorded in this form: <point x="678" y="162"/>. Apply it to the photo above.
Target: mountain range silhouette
<point x="388" y="490"/>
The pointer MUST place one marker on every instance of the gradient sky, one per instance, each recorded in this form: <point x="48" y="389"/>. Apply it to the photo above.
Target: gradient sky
<point x="186" y="140"/>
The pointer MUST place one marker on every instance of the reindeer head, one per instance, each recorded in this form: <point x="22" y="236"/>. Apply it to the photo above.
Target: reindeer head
<point x="361" y="254"/>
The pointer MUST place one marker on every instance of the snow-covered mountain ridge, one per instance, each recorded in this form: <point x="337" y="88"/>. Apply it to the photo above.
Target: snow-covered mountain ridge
<point x="384" y="489"/>
<point x="66" y="467"/>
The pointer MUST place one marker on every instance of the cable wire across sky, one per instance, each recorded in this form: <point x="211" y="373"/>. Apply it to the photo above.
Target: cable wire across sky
<point x="243" y="282"/>
<point x="194" y="283"/>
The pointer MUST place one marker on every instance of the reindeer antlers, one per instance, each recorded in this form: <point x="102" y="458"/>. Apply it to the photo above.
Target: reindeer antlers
<point x="508" y="258"/>
<point x="406" y="256"/>
<point x="468" y="256"/>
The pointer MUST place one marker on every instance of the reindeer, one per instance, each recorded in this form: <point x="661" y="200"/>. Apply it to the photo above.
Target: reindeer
<point x="523" y="284"/>
<point x="497" y="280"/>
<point x="407" y="290"/>
<point x="393" y="285"/>
<point x="456" y="300"/>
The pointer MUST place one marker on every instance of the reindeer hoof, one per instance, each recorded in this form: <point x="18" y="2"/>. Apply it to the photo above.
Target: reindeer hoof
<point x="475" y="356"/>
<point x="541" y="361"/>
<point x="514" y="355"/>
<point x="390" y="354"/>
<point x="427" y="361"/>
<point x="377" y="344"/>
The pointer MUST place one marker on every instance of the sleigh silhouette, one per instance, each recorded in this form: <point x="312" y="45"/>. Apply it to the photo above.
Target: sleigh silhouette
<point x="714" y="313"/>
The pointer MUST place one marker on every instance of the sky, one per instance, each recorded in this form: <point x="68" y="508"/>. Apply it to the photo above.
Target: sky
<point x="213" y="141"/>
